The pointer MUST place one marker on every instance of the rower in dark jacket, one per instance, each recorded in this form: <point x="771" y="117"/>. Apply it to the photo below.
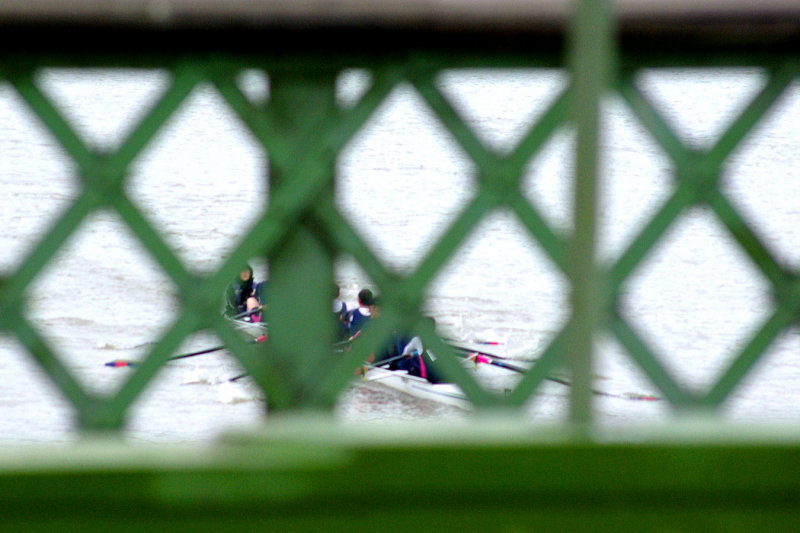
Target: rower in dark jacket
<point x="241" y="293"/>
<point x="361" y="315"/>
<point x="418" y="361"/>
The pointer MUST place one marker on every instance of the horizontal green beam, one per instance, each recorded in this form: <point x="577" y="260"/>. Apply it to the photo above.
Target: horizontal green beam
<point x="302" y="474"/>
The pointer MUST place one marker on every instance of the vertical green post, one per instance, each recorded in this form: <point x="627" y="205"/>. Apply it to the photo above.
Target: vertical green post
<point x="590" y="62"/>
<point x="301" y="268"/>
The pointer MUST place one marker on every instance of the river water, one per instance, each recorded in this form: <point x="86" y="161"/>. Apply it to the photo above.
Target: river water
<point x="696" y="298"/>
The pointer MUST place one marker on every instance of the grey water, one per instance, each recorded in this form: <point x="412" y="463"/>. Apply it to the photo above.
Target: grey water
<point x="697" y="298"/>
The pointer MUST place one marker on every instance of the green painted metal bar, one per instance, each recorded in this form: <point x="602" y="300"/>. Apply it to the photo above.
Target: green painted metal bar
<point x="306" y="474"/>
<point x="591" y="63"/>
<point x="549" y="361"/>
<point x="651" y="119"/>
<point x="553" y="243"/>
<point x="453" y="236"/>
<point x="651" y="365"/>
<point x="746" y="122"/>
<point x="185" y="80"/>
<point x="682" y="198"/>
<point x="301" y="268"/>
<point x="541" y="131"/>
<point x="154" y="243"/>
<point x="58" y="373"/>
<point x="754" y="350"/>
<point x="497" y="471"/>
<point x="52" y="119"/>
<point x="153" y="362"/>
<point x="469" y="141"/>
<point x="747" y="239"/>
<point x="750" y="116"/>
<point x="345" y="237"/>
<point x="303" y="143"/>
<point x="57" y="234"/>
<point x="528" y="147"/>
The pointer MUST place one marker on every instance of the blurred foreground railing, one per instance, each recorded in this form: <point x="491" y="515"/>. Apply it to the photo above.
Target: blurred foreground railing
<point x="495" y="476"/>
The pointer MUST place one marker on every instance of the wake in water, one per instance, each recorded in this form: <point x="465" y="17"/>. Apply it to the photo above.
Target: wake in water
<point x="108" y="345"/>
<point x="228" y="392"/>
<point x="233" y="393"/>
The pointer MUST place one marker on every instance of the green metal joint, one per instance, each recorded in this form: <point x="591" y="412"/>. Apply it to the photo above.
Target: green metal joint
<point x="501" y="182"/>
<point x="4" y="306"/>
<point x="102" y="180"/>
<point x="99" y="417"/>
<point x="406" y="296"/>
<point x="788" y="294"/>
<point x="200" y="302"/>
<point x="11" y="312"/>
<point x="701" y="174"/>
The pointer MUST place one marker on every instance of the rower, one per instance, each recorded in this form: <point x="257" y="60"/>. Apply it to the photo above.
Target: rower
<point x="239" y="291"/>
<point x="244" y="294"/>
<point x="393" y="349"/>
<point x="340" y="314"/>
<point x="418" y="361"/>
<point x="361" y="315"/>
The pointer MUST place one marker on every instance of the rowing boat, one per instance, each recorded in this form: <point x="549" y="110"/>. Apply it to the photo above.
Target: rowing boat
<point x="443" y="393"/>
<point x="418" y="387"/>
<point x="421" y="388"/>
<point x="247" y="328"/>
<point x="451" y="394"/>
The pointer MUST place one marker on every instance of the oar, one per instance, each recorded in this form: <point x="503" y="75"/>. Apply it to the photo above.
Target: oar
<point x="489" y="360"/>
<point x="380" y="364"/>
<point x="347" y="341"/>
<point x="248" y="312"/>
<point x="385" y="362"/>
<point x="121" y="362"/>
<point x="464" y="349"/>
<point x="482" y="358"/>
<point x="484" y="343"/>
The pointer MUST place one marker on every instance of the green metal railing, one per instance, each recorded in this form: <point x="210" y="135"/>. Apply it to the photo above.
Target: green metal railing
<point x="302" y="231"/>
<point x="307" y="471"/>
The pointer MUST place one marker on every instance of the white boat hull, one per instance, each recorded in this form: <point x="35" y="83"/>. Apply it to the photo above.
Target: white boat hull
<point x="250" y="329"/>
<point x="399" y="380"/>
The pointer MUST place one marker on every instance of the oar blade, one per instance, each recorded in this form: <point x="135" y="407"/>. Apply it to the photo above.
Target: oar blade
<point x="118" y="363"/>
